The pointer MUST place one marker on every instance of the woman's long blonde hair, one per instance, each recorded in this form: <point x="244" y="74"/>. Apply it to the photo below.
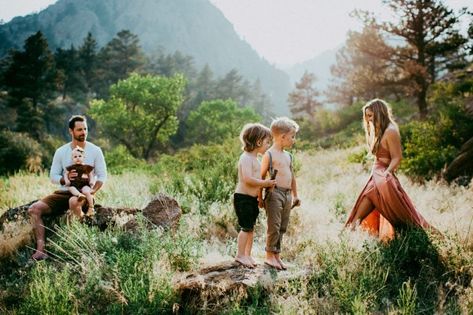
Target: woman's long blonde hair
<point x="382" y="117"/>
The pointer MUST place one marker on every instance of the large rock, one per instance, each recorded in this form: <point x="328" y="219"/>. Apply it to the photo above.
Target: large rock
<point x="212" y="288"/>
<point x="16" y="229"/>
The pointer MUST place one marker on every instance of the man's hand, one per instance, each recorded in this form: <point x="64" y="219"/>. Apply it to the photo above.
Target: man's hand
<point x="72" y="174"/>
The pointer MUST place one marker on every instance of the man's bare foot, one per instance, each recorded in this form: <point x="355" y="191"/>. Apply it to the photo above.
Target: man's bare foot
<point x="252" y="261"/>
<point x="39" y="255"/>
<point x="244" y="261"/>
<point x="90" y="212"/>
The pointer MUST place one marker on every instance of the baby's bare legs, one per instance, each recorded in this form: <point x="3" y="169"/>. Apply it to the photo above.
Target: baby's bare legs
<point x="74" y="191"/>
<point x="90" y="200"/>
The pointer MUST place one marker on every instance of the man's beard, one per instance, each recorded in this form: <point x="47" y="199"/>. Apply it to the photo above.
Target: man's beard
<point x="79" y="138"/>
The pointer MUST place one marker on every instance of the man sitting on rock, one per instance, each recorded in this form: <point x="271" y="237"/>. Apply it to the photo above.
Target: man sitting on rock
<point x="58" y="202"/>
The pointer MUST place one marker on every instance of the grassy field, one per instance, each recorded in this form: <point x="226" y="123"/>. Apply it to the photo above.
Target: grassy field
<point x="349" y="272"/>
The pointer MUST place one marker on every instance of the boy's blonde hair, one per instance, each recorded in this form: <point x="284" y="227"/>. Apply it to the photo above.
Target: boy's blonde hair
<point x="251" y="134"/>
<point x="282" y="125"/>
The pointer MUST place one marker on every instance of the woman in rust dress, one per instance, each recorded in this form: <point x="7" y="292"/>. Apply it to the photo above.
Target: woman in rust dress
<point x="383" y="204"/>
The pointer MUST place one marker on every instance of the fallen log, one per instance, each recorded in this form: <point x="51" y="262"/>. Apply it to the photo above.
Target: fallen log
<point x="16" y="229"/>
<point x="213" y="288"/>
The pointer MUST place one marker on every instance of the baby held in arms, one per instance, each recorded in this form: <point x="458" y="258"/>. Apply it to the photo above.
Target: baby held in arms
<point x="81" y="185"/>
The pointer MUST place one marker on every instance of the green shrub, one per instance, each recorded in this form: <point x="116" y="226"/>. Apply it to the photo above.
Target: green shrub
<point x="218" y="120"/>
<point x="432" y="144"/>
<point x="207" y="173"/>
<point x="119" y="159"/>
<point x="19" y="152"/>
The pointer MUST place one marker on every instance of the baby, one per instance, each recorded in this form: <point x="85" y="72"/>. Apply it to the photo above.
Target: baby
<point x="80" y="185"/>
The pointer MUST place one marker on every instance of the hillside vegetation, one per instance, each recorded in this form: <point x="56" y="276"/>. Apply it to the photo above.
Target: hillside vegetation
<point x="349" y="272"/>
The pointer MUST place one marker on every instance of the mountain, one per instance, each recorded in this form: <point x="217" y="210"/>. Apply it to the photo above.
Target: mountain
<point x="194" y="27"/>
<point x="319" y="65"/>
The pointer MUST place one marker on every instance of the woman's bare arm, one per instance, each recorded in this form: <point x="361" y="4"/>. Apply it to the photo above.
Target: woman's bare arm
<point x="393" y="140"/>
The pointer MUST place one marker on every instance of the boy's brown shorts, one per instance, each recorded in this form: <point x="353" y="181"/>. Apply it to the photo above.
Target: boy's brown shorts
<point x="58" y="202"/>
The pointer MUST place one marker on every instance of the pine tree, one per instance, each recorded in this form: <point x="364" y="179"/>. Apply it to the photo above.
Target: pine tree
<point x="71" y="80"/>
<point x="303" y="101"/>
<point x="118" y="59"/>
<point x="88" y="62"/>
<point x="30" y="81"/>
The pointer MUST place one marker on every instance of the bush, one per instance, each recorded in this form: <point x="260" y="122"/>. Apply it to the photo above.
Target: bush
<point x="432" y="144"/>
<point x="217" y="120"/>
<point x="19" y="152"/>
<point x="207" y="173"/>
<point x="119" y="159"/>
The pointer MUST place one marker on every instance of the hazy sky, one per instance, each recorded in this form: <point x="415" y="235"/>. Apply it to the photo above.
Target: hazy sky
<point x="284" y="32"/>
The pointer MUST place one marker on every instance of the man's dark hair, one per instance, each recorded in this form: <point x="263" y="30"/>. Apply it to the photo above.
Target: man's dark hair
<point x="73" y="119"/>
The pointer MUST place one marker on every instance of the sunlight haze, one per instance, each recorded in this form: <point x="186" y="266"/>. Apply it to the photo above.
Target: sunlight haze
<point x="283" y="32"/>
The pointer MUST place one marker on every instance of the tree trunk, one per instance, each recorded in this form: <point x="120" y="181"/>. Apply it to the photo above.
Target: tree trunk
<point x="462" y="165"/>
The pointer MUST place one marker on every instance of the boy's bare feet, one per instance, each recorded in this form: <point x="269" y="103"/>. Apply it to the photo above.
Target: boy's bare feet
<point x="272" y="261"/>
<point x="244" y="261"/>
<point x="283" y="266"/>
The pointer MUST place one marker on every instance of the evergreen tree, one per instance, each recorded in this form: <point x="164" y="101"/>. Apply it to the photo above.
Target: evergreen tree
<point x="204" y="86"/>
<point x="260" y="101"/>
<point x="88" y="62"/>
<point x="69" y="72"/>
<point x="171" y="64"/>
<point x="431" y="42"/>
<point x="303" y="101"/>
<point x="365" y="69"/>
<point x="229" y="86"/>
<point x="118" y="59"/>
<point x="30" y="82"/>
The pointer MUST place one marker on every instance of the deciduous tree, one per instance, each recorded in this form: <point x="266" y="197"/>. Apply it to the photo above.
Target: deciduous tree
<point x="141" y="112"/>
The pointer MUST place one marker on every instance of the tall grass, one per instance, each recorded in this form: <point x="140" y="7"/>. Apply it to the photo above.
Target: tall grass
<point x="339" y="271"/>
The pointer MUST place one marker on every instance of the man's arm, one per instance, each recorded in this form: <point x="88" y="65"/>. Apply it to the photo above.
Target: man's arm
<point x="100" y="170"/>
<point x="56" y="171"/>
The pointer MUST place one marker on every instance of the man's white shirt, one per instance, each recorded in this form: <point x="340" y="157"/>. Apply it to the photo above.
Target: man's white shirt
<point x="63" y="158"/>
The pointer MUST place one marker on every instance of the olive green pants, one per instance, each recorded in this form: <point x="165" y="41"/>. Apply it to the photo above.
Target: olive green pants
<point x="278" y="208"/>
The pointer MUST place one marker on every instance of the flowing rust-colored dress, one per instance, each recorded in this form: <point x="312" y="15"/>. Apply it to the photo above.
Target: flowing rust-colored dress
<point x="392" y="205"/>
